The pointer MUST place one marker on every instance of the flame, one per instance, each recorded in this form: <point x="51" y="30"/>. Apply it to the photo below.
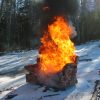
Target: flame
<point x="57" y="49"/>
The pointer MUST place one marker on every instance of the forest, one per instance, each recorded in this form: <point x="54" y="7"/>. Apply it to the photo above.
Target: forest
<point x="21" y="23"/>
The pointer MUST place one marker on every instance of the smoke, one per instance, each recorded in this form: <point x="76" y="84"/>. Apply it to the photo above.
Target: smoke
<point x="58" y="7"/>
<point x="54" y="8"/>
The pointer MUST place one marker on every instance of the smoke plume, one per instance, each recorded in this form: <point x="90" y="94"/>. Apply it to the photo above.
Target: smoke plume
<point x="54" y="8"/>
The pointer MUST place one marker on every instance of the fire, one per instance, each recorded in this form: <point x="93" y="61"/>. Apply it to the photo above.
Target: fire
<point x="57" y="49"/>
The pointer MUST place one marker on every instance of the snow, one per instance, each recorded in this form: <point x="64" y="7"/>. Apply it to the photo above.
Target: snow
<point x="12" y="76"/>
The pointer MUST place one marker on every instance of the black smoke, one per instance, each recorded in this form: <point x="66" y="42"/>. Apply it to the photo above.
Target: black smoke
<point x="54" y="8"/>
<point x="58" y="7"/>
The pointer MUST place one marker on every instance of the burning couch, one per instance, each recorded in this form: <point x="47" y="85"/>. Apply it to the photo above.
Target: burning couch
<point x="57" y="62"/>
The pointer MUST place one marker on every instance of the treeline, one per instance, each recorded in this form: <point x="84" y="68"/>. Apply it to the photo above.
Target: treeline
<point x="87" y="24"/>
<point x="21" y="23"/>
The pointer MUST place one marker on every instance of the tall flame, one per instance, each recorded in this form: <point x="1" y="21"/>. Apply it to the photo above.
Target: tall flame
<point x="57" y="49"/>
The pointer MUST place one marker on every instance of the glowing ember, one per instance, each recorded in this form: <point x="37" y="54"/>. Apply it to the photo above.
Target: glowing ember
<point x="57" y="49"/>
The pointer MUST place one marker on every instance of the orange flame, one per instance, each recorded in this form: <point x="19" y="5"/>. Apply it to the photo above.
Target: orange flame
<point x="57" y="49"/>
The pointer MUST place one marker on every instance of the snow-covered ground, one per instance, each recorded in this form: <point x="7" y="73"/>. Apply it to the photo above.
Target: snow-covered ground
<point x="12" y="78"/>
